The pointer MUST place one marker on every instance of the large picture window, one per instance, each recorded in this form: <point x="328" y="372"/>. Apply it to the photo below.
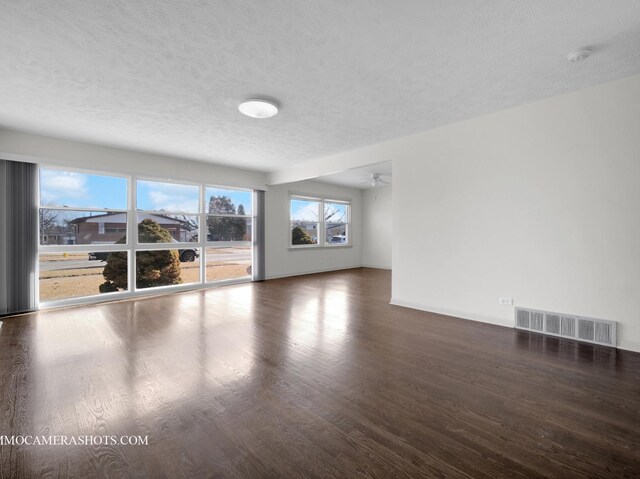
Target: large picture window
<point x="319" y="222"/>
<point x="113" y="234"/>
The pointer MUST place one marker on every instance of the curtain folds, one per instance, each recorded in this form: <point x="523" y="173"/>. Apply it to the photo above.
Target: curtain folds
<point x="18" y="236"/>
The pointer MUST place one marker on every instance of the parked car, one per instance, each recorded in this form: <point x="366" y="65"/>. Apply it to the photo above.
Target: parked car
<point x="186" y="255"/>
<point x="338" y="239"/>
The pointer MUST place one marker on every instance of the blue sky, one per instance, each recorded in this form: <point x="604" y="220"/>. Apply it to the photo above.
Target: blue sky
<point x="156" y="196"/>
<point x="305" y="210"/>
<point x="64" y="188"/>
<point x="302" y="210"/>
<point x="80" y="190"/>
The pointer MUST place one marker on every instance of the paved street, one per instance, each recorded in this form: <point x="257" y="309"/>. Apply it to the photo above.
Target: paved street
<point x="70" y="264"/>
<point x="231" y="255"/>
<point x="234" y="255"/>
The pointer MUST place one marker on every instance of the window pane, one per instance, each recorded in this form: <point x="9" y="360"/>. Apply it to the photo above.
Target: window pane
<point x="167" y="267"/>
<point x="228" y="263"/>
<point x="303" y="233"/>
<point x="336" y="212"/>
<point x="67" y="227"/>
<point x="172" y="197"/>
<point x="75" y="274"/>
<point x="167" y="228"/>
<point x="229" y="228"/>
<point x="225" y="201"/>
<point x="336" y="233"/>
<point x="305" y="210"/>
<point x="304" y="221"/>
<point x="81" y="190"/>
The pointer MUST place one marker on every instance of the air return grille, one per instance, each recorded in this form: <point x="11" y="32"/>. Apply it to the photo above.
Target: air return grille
<point x="598" y="331"/>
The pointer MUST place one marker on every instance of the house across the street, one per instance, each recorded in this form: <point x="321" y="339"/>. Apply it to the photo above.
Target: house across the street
<point x="110" y="227"/>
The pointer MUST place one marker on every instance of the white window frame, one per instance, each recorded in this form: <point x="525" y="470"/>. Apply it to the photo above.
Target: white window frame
<point x="322" y="243"/>
<point x="223" y="244"/>
<point x="84" y="248"/>
<point x="132" y="245"/>
<point x="178" y="245"/>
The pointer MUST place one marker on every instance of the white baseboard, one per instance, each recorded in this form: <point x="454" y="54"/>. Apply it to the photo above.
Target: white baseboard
<point x="452" y="312"/>
<point x="376" y="266"/>
<point x="302" y="273"/>
<point x="629" y="345"/>
<point x="622" y="344"/>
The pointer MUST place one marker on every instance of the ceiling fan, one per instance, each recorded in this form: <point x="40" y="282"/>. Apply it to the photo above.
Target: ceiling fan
<point x="375" y="179"/>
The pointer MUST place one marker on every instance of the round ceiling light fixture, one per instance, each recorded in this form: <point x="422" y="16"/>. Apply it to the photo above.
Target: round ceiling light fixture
<point x="258" y="108"/>
<point x="578" y="55"/>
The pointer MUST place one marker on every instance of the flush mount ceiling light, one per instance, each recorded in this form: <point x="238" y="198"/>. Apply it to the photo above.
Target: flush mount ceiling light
<point x="578" y="55"/>
<point x="257" y="108"/>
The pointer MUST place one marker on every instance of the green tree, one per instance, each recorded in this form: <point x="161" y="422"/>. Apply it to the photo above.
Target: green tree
<point x="153" y="268"/>
<point x="221" y="205"/>
<point x="299" y="236"/>
<point x="115" y="271"/>
<point x="224" y="227"/>
<point x="240" y="224"/>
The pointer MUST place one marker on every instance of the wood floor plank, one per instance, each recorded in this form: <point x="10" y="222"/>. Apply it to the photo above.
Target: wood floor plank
<point x="310" y="376"/>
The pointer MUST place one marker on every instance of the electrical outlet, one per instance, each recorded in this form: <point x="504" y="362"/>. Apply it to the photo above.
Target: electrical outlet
<point x="507" y="301"/>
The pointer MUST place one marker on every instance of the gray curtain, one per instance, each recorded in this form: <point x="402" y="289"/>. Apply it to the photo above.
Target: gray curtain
<point x="258" y="238"/>
<point x="18" y="236"/>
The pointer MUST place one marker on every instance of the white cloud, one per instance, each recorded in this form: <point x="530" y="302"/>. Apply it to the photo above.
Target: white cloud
<point x="173" y="199"/>
<point x="58" y="187"/>
<point x="305" y="212"/>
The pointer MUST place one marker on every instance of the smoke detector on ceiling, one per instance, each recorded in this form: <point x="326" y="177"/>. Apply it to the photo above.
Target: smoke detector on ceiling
<point x="578" y="55"/>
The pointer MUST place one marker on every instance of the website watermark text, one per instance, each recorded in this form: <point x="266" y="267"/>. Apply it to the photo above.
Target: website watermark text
<point x="63" y="440"/>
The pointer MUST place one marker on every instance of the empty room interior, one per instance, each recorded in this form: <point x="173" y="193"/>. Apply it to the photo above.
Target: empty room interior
<point x="330" y="239"/>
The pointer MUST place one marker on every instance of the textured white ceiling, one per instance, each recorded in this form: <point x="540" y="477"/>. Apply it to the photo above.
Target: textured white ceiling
<point x="166" y="76"/>
<point x="359" y="177"/>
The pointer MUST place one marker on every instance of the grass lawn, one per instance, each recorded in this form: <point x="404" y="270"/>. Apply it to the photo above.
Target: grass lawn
<point x="70" y="283"/>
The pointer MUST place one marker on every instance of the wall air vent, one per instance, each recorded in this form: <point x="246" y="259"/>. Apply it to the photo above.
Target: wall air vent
<point x="522" y="318"/>
<point x="597" y="331"/>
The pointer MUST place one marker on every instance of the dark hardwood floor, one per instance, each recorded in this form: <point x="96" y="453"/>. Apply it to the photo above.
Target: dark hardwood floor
<point x="312" y="376"/>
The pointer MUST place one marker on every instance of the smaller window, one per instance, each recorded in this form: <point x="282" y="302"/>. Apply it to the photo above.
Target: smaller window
<point x="311" y="228"/>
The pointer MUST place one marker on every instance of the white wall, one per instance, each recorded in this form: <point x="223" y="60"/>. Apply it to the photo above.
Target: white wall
<point x="284" y="261"/>
<point x="377" y="227"/>
<point x="539" y="203"/>
<point x="279" y="260"/>
<point x="20" y="146"/>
